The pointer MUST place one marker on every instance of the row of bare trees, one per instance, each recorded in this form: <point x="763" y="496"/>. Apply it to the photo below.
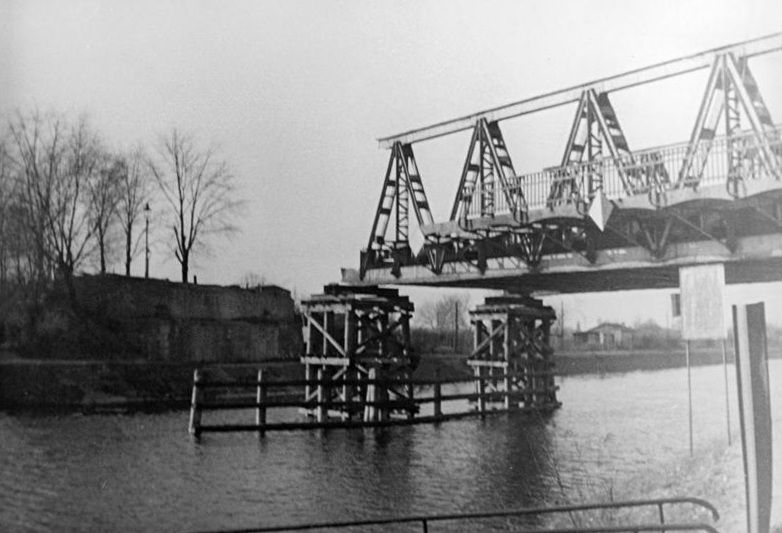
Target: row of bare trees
<point x="67" y="201"/>
<point x="443" y="324"/>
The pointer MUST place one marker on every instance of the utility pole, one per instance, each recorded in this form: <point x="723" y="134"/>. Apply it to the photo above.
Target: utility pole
<point x="456" y="327"/>
<point x="146" y="242"/>
<point x="561" y="325"/>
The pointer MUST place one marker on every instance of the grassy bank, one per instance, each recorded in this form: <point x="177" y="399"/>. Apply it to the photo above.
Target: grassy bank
<point x="122" y="386"/>
<point x="453" y="366"/>
<point x="604" y="362"/>
<point x="95" y="385"/>
<point x="714" y="473"/>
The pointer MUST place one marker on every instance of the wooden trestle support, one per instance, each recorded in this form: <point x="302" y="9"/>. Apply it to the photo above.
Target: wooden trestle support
<point x="512" y="355"/>
<point x="358" y="358"/>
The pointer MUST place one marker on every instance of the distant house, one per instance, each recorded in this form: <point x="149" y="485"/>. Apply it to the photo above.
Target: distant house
<point x="605" y="336"/>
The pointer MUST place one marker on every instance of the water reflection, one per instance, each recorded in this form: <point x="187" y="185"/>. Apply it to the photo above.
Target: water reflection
<point x="144" y="473"/>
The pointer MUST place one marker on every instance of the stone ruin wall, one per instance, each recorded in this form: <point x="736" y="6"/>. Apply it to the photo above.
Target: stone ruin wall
<point x="168" y="321"/>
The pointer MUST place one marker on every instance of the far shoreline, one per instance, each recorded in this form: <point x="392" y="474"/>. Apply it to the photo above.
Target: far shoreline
<point x="113" y="386"/>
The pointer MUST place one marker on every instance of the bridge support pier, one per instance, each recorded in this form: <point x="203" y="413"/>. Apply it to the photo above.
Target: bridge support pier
<point x="512" y="356"/>
<point x="358" y="345"/>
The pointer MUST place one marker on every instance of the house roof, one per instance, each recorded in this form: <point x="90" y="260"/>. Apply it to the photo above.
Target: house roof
<point x="610" y="325"/>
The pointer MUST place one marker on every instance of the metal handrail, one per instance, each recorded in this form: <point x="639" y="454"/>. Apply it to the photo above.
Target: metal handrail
<point x="536" y="186"/>
<point x="425" y="520"/>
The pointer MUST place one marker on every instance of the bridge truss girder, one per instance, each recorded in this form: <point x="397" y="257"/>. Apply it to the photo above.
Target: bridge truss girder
<point x="402" y="186"/>
<point x="639" y="249"/>
<point x="526" y="245"/>
<point x="494" y="216"/>
<point x="487" y="170"/>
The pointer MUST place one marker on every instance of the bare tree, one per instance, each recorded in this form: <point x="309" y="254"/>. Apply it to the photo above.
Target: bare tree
<point x="443" y="314"/>
<point x="18" y="244"/>
<point x="56" y="164"/>
<point x="251" y="280"/>
<point x="198" y="188"/>
<point x="6" y="190"/>
<point x="134" y="197"/>
<point x="14" y="237"/>
<point x="104" y="196"/>
<point x="39" y="150"/>
<point x="442" y="322"/>
<point x="71" y="224"/>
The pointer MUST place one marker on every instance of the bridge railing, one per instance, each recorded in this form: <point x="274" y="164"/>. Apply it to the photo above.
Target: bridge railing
<point x="644" y="170"/>
<point x="424" y="521"/>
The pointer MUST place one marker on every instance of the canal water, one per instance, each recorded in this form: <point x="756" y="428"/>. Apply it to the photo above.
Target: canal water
<point x="143" y="472"/>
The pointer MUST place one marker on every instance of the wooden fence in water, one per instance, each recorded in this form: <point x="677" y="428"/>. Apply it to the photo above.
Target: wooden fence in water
<point x="323" y="411"/>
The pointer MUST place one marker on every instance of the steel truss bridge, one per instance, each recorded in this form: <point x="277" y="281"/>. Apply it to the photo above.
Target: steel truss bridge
<point x="607" y="217"/>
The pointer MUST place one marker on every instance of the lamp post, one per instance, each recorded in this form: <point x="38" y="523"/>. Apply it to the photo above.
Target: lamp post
<point x="146" y="241"/>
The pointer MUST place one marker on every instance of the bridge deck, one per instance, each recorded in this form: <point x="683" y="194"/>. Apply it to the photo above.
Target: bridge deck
<point x="759" y="259"/>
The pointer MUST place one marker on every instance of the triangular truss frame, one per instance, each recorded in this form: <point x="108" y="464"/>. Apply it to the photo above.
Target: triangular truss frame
<point x="730" y="89"/>
<point x="595" y="134"/>
<point x="402" y="186"/>
<point x="487" y="166"/>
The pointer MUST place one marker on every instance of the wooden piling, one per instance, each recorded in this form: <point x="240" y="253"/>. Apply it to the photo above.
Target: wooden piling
<point x="530" y="380"/>
<point x="438" y="402"/>
<point x="507" y="357"/>
<point x="411" y="399"/>
<point x="509" y="403"/>
<point x="370" y="411"/>
<point x="511" y="350"/>
<point x="352" y="329"/>
<point x="345" y="415"/>
<point x="308" y="379"/>
<point x="195" y="405"/>
<point x="260" y="409"/>
<point x="481" y="391"/>
<point x="377" y="405"/>
<point x="326" y="348"/>
<point x="383" y="410"/>
<point x="321" y="410"/>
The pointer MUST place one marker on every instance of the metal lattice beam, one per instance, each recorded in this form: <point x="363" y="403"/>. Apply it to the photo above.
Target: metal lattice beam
<point x="486" y="175"/>
<point x="402" y="185"/>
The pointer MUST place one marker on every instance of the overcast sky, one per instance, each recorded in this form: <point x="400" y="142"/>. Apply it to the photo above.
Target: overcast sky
<point x="296" y="92"/>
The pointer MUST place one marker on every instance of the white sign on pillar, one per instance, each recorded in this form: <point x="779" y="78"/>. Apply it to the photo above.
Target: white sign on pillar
<point x="702" y="290"/>
<point x="702" y="301"/>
